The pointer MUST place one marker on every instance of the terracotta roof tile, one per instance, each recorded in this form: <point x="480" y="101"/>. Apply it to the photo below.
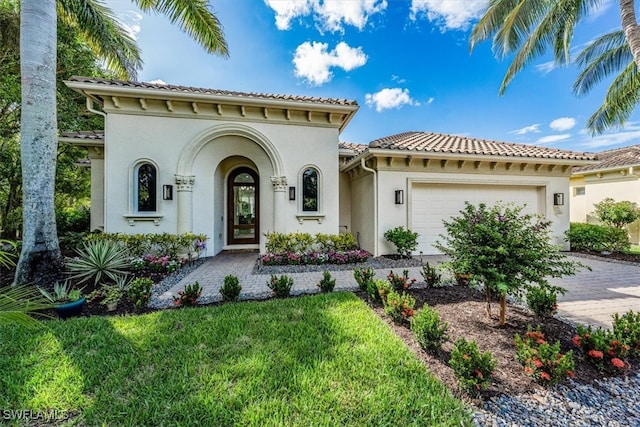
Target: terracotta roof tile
<point x="440" y="143"/>
<point x="356" y="148"/>
<point x="195" y="90"/>
<point x="84" y="134"/>
<point x="616" y="158"/>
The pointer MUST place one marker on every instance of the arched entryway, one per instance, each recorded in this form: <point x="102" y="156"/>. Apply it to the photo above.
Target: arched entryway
<point x="243" y="207"/>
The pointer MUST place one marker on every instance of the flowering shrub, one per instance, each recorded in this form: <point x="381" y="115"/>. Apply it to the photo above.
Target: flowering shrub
<point x="280" y="243"/>
<point x="189" y="296"/>
<point x="429" y="330"/>
<point x="281" y="286"/>
<point x="431" y="277"/>
<point x="363" y="276"/>
<point x="602" y="349"/>
<point x="139" y="291"/>
<point x="541" y="360"/>
<point x="231" y="288"/>
<point x="315" y="258"/>
<point x="327" y="283"/>
<point x="378" y="289"/>
<point x="149" y="264"/>
<point x="398" y="306"/>
<point x="472" y="368"/>
<point x="626" y="329"/>
<point x="400" y="283"/>
<point x="543" y="301"/>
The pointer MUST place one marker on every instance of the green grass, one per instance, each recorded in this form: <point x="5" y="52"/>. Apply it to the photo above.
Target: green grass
<point x="634" y="249"/>
<point x="316" y="360"/>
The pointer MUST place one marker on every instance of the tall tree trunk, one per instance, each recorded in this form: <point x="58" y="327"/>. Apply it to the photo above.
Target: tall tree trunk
<point x="631" y="29"/>
<point x="40" y="259"/>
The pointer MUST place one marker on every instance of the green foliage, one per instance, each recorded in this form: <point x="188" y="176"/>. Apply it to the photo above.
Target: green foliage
<point x="543" y="361"/>
<point x="188" y="297"/>
<point x="282" y="243"/>
<point x="165" y="244"/>
<point x="16" y="304"/>
<point x="626" y="329"/>
<point x="363" y="277"/>
<point x="377" y="289"/>
<point x="543" y="301"/>
<point x="7" y="253"/>
<point x="602" y="349"/>
<point x="431" y="276"/>
<point x="429" y="330"/>
<point x="327" y="283"/>
<point x="398" y="282"/>
<point x="617" y="214"/>
<point x="472" y="368"/>
<point x="281" y="286"/>
<point x="231" y="288"/>
<point x="398" y="306"/>
<point x="99" y="258"/>
<point x="140" y="291"/>
<point x="405" y="241"/>
<point x="62" y="292"/>
<point x="504" y="249"/>
<point x="592" y="237"/>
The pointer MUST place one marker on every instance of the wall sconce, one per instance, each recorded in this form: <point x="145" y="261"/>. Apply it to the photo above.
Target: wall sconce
<point x="292" y="193"/>
<point x="558" y="199"/>
<point x="167" y="192"/>
<point x="399" y="197"/>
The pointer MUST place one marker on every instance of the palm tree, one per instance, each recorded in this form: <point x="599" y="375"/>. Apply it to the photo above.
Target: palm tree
<point x="528" y="28"/>
<point x="40" y="258"/>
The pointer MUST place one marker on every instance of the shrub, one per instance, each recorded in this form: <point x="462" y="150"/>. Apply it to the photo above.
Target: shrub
<point x="472" y="368"/>
<point x="543" y="301"/>
<point x="363" y="276"/>
<point x="429" y="330"/>
<point x="327" y="283"/>
<point x="431" y="277"/>
<point x="543" y="361"/>
<point x="315" y="258"/>
<point x="617" y="214"/>
<point x="283" y="243"/>
<point x="378" y="289"/>
<point x="140" y="291"/>
<point x="400" y="283"/>
<point x="188" y="297"/>
<point x="98" y="258"/>
<point x="602" y="349"/>
<point x="405" y="241"/>
<point x="281" y="286"/>
<point x="592" y="237"/>
<point x="231" y="288"/>
<point x="626" y="329"/>
<point x="158" y="245"/>
<point x="398" y="306"/>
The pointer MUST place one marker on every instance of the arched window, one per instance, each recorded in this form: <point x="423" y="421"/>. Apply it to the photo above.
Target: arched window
<point x="145" y="187"/>
<point x="310" y="190"/>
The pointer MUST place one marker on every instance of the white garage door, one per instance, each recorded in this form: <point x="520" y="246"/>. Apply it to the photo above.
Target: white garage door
<point x="433" y="203"/>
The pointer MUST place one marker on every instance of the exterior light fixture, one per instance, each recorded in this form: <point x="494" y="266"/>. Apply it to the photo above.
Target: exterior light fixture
<point x="292" y="193"/>
<point x="399" y="197"/>
<point x="167" y="192"/>
<point x="558" y="199"/>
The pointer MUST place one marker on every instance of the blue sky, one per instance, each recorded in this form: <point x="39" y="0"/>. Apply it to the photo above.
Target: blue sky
<point x="406" y="62"/>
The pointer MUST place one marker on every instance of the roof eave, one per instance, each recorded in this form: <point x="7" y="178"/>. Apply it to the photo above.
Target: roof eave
<point x="606" y="169"/>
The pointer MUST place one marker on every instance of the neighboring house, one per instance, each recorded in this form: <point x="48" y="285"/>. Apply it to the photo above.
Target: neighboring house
<point x="617" y="176"/>
<point x="237" y="165"/>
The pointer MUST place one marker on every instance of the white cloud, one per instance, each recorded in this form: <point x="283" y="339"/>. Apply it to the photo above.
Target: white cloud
<point x="629" y="134"/>
<point x="562" y="124"/>
<point x="546" y="67"/>
<point x="449" y="14"/>
<point x="131" y="22"/>
<point x="553" y="138"/>
<point x="430" y="100"/>
<point x="390" y="98"/>
<point x="158" y="82"/>
<point x="397" y="79"/>
<point x="313" y="61"/>
<point x="527" y="129"/>
<point x="330" y="14"/>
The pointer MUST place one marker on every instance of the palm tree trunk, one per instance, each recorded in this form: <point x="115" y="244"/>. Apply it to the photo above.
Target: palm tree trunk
<point x="631" y="29"/>
<point x="40" y="258"/>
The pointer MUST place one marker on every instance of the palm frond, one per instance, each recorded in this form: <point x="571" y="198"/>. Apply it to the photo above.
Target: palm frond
<point x="195" y="18"/>
<point x="491" y="21"/>
<point x="17" y="302"/>
<point x="104" y="34"/>
<point x="7" y="253"/>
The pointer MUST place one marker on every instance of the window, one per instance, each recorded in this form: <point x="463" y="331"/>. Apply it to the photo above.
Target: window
<point x="145" y="188"/>
<point x="310" y="190"/>
<point x="579" y="191"/>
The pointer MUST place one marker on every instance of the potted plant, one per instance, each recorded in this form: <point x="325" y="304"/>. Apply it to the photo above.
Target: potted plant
<point x="111" y="297"/>
<point x="67" y="301"/>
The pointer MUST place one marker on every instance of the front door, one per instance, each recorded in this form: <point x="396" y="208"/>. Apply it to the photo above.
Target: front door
<point x="242" y="207"/>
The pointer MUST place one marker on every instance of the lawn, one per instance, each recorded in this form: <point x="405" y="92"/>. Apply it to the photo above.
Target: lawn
<point x="314" y="360"/>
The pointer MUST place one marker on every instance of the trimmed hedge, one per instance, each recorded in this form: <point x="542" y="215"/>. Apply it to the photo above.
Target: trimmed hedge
<point x="592" y="237"/>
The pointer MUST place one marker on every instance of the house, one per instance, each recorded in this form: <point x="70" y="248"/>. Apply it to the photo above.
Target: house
<point x="617" y="176"/>
<point x="236" y="165"/>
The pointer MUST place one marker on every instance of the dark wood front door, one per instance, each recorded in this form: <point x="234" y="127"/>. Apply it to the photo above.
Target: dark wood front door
<point x="243" y="208"/>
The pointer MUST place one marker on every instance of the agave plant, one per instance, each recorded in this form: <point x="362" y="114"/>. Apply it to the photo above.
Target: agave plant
<point x="17" y="302"/>
<point x="97" y="258"/>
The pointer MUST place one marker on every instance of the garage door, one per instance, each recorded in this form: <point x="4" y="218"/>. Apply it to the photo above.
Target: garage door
<point x="433" y="203"/>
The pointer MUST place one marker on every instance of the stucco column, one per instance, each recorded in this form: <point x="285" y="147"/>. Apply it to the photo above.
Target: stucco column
<point x="96" y="155"/>
<point x="184" y="187"/>
<point x="279" y="201"/>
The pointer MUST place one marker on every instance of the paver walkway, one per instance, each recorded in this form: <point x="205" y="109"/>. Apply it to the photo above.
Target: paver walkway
<point x="592" y="296"/>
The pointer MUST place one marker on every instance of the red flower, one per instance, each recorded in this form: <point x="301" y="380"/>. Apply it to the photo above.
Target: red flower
<point x="596" y="354"/>
<point x="528" y="370"/>
<point x="618" y="363"/>
<point x="541" y="341"/>
<point x="479" y="374"/>
<point x="545" y="376"/>
<point x="537" y="362"/>
<point x="570" y="374"/>
<point x="466" y="357"/>
<point x="576" y="340"/>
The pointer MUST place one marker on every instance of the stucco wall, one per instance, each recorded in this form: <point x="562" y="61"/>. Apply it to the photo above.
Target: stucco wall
<point x="344" y="193"/>
<point x="363" y="211"/>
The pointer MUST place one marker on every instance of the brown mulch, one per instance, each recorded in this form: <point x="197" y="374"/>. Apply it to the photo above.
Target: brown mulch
<point x="464" y="309"/>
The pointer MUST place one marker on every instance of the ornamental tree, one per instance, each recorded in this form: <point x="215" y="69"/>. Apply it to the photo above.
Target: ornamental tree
<point x="616" y="214"/>
<point x="506" y="250"/>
